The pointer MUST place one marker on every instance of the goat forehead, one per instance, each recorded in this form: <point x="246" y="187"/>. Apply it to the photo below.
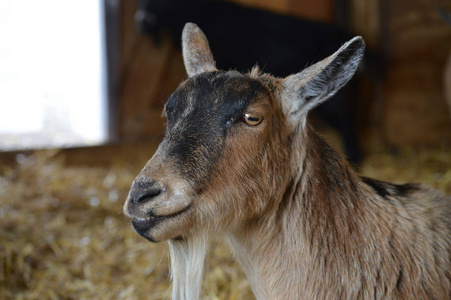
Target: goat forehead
<point x="216" y="96"/>
<point x="200" y="112"/>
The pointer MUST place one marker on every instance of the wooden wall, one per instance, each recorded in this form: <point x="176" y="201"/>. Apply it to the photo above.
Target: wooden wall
<point x="316" y="10"/>
<point x="410" y="108"/>
<point x="417" y="45"/>
<point x="148" y="75"/>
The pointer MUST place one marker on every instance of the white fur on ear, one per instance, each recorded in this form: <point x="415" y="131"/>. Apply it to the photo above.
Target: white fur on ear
<point x="303" y="91"/>
<point x="197" y="55"/>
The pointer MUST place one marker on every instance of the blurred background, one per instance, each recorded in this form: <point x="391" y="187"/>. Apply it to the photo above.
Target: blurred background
<point x="82" y="87"/>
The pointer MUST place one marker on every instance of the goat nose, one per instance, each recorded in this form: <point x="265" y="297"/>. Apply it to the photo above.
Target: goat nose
<point x="145" y="191"/>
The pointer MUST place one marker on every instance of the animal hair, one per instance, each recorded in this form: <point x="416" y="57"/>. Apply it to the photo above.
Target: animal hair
<point x="187" y="265"/>
<point x="300" y="221"/>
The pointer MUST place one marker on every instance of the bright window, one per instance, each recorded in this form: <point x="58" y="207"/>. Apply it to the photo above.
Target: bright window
<point x="52" y="74"/>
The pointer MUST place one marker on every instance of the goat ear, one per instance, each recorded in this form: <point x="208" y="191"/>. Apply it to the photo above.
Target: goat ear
<point x="196" y="51"/>
<point x="307" y="89"/>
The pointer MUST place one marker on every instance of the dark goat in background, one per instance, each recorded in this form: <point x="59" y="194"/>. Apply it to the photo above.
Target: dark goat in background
<point x="243" y="37"/>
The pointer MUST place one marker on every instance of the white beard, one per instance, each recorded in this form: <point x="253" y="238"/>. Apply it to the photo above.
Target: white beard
<point x="187" y="266"/>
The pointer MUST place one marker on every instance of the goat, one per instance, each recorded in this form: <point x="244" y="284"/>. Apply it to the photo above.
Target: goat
<point x="239" y="160"/>
<point x="254" y="36"/>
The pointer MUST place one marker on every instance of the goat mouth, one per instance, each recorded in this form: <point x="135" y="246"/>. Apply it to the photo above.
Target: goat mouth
<point x="142" y="225"/>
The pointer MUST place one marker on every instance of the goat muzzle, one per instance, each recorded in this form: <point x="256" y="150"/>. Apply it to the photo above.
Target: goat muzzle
<point x="144" y="191"/>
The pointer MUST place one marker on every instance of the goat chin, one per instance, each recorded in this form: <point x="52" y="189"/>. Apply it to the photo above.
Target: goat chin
<point x="187" y="265"/>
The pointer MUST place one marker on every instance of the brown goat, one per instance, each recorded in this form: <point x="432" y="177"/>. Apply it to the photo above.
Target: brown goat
<point x="239" y="159"/>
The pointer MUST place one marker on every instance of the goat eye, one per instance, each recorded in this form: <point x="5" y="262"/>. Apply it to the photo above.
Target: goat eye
<point x="252" y="119"/>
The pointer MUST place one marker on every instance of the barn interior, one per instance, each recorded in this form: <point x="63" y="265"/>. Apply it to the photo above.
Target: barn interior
<point x="62" y="231"/>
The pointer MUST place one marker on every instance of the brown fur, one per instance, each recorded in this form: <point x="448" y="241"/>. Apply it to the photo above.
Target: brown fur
<point x="300" y="221"/>
<point x="334" y="238"/>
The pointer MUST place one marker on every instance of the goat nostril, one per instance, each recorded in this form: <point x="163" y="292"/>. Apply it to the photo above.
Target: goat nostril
<point x="144" y="191"/>
<point x="148" y="195"/>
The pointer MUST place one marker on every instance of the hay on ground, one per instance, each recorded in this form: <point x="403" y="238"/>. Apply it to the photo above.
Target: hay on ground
<point x="63" y="236"/>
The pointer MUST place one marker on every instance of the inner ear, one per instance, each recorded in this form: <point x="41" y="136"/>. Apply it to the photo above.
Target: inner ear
<point x="197" y="55"/>
<point x="307" y="89"/>
<point x="335" y="71"/>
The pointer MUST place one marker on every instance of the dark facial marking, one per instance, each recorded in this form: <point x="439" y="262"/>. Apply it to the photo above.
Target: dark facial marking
<point x="200" y="114"/>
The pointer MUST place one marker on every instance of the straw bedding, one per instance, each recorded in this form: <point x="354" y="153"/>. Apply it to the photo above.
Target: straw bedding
<point x="63" y="236"/>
